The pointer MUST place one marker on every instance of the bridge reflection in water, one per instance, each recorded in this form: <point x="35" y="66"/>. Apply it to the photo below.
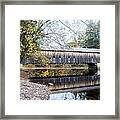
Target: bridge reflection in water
<point x="73" y="84"/>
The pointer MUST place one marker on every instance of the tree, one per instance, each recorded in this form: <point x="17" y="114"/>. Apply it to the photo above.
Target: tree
<point x="91" y="38"/>
<point x="54" y="36"/>
<point x="31" y="34"/>
<point x="41" y="59"/>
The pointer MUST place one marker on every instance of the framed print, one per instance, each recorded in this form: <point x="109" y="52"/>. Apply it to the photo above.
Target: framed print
<point x="59" y="59"/>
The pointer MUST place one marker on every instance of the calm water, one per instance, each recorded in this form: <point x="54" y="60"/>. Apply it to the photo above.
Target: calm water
<point x="88" y="95"/>
<point x="67" y="96"/>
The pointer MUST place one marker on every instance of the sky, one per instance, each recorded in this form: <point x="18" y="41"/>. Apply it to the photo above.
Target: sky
<point x="60" y="32"/>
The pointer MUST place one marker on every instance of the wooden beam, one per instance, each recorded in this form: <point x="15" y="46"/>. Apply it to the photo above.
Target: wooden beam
<point x="76" y="89"/>
<point x="52" y="68"/>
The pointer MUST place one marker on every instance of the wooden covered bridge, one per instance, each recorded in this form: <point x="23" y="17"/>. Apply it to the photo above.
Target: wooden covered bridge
<point x="68" y="57"/>
<point x="68" y="83"/>
<point x="72" y="57"/>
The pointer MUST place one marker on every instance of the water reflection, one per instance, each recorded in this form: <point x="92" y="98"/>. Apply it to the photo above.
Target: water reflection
<point x="68" y="96"/>
<point x="87" y="95"/>
<point x="62" y="96"/>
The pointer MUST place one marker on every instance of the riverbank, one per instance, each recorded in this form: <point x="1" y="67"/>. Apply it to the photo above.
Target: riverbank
<point x="33" y="91"/>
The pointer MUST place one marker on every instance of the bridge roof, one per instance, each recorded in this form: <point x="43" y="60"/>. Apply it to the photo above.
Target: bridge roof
<point x="83" y="50"/>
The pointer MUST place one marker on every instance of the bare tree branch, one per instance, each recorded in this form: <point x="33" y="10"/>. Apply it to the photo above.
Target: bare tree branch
<point x="68" y="27"/>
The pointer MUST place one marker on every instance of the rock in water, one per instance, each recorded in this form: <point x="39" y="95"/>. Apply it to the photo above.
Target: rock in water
<point x="33" y="91"/>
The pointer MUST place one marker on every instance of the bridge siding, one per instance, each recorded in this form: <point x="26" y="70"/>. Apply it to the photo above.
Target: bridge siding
<point x="67" y="58"/>
<point x="75" y="59"/>
<point x="70" y="82"/>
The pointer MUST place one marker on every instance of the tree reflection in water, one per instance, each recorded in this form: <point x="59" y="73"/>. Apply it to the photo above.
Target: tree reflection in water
<point x="87" y="95"/>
